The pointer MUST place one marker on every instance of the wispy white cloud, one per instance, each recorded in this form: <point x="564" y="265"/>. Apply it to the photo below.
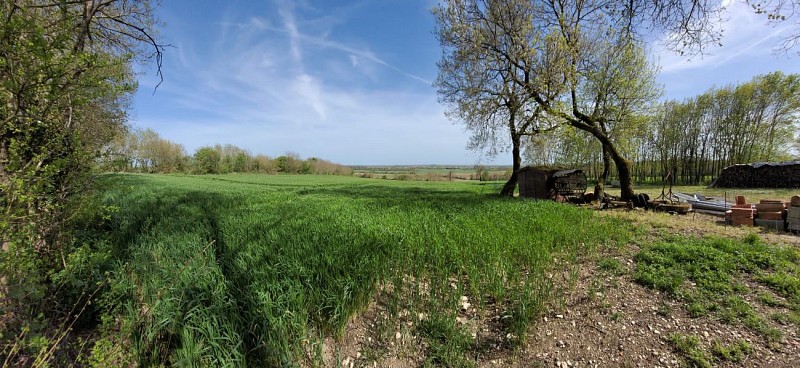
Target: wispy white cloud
<point x="287" y="15"/>
<point x="282" y="82"/>
<point x="747" y="50"/>
<point x="365" y="54"/>
<point x="309" y="89"/>
<point x="745" y="33"/>
<point x="751" y="46"/>
<point x="411" y="127"/>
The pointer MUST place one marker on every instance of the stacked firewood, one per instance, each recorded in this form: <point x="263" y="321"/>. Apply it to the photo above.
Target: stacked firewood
<point x="771" y="214"/>
<point x="736" y="176"/>
<point x="760" y="175"/>
<point x="793" y="215"/>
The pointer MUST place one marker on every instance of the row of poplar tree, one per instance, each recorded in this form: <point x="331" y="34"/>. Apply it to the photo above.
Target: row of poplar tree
<point x="693" y="139"/>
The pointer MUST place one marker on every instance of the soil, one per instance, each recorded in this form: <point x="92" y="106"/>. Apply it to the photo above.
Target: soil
<point x="612" y="321"/>
<point x="601" y="320"/>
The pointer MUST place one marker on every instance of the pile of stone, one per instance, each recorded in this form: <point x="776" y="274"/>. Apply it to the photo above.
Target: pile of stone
<point x="767" y="213"/>
<point x="793" y="215"/>
<point x="771" y="214"/>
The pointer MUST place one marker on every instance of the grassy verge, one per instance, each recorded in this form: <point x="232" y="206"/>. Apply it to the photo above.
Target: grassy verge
<point x="241" y="270"/>
<point x="712" y="276"/>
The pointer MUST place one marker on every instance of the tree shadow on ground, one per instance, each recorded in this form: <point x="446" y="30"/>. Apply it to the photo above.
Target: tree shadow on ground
<point x="275" y="285"/>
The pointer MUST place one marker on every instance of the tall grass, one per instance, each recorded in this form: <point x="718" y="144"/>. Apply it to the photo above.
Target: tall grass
<point x="254" y="270"/>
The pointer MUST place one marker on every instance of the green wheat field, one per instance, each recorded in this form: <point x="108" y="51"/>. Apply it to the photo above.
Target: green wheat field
<point x="237" y="270"/>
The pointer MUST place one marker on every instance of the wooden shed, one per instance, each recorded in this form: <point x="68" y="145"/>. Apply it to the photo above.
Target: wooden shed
<point x="550" y="183"/>
<point x="760" y="175"/>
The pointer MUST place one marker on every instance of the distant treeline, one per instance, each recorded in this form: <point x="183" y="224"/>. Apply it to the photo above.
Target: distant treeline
<point x="145" y="151"/>
<point x="442" y="174"/>
<point x="434" y="172"/>
<point x="694" y="139"/>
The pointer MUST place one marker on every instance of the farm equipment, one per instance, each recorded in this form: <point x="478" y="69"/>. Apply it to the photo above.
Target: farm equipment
<point x="668" y="201"/>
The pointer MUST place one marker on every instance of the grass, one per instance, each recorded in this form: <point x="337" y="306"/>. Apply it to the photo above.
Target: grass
<point x="433" y="173"/>
<point x="611" y="266"/>
<point x="689" y="347"/>
<point x="771" y="301"/>
<point x="735" y="352"/>
<point x="709" y="276"/>
<point x="254" y="270"/>
<point x="236" y="270"/>
<point x="448" y="346"/>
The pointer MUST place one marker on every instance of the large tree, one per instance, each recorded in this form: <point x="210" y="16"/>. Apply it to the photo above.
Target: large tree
<point x="752" y="121"/>
<point x="482" y="45"/>
<point x="578" y="63"/>
<point x="66" y="79"/>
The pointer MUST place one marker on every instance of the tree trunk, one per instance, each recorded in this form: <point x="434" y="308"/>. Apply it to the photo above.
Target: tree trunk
<point x="622" y="164"/>
<point x="606" y="166"/>
<point x="511" y="184"/>
<point x="624" y="172"/>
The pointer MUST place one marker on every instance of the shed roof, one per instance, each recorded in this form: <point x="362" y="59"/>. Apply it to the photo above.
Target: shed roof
<point x="561" y="173"/>
<point x="546" y="169"/>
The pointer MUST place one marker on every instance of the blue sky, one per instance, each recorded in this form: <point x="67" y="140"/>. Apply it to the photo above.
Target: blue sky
<point x="351" y="81"/>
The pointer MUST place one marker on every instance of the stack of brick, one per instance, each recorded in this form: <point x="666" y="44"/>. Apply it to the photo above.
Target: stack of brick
<point x="741" y="213"/>
<point x="771" y="214"/>
<point x="793" y="214"/>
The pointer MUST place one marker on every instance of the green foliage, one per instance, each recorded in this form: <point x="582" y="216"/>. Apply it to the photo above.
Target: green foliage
<point x="146" y="152"/>
<point x="612" y="266"/>
<point x="694" y="138"/>
<point x="509" y="67"/>
<point x="734" y="352"/>
<point x="252" y="269"/>
<point x="108" y="352"/>
<point x="448" y="346"/>
<point x="689" y="347"/>
<point x="207" y="160"/>
<point x="62" y="98"/>
<point x="143" y="151"/>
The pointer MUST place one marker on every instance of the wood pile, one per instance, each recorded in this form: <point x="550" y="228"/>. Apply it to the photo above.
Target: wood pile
<point x="793" y="215"/>
<point x="761" y="175"/>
